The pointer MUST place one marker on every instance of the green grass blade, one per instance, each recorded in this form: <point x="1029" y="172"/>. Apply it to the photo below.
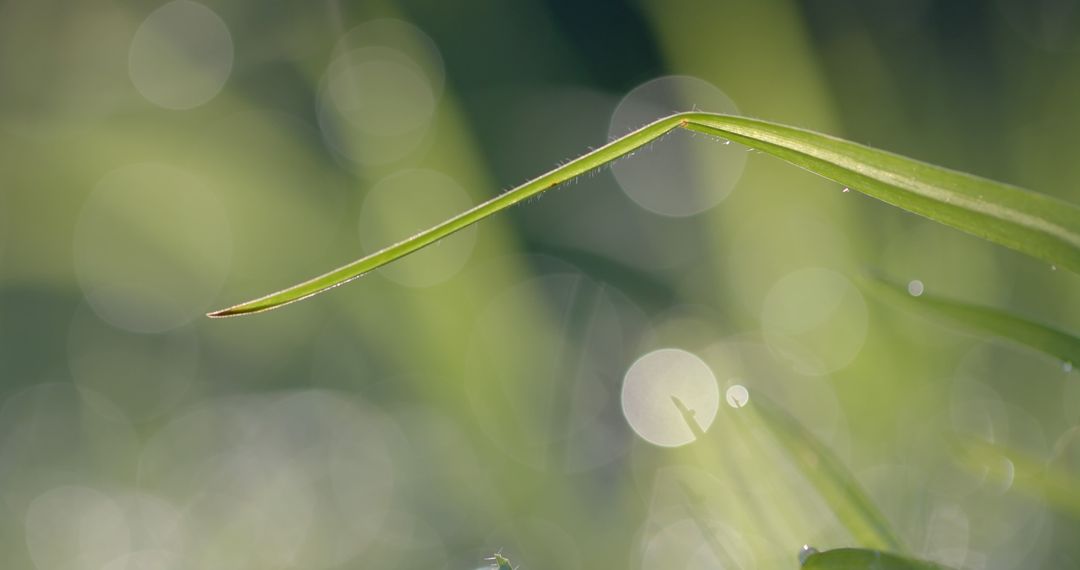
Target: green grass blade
<point x="859" y="559"/>
<point x="1042" y="480"/>
<point x="836" y="485"/>
<point x="984" y="320"/>
<point x="1038" y="225"/>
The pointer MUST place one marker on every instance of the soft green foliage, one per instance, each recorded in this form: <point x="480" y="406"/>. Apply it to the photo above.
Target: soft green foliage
<point x="837" y="486"/>
<point x="1049" y="480"/>
<point x="860" y="559"/>
<point x="986" y="321"/>
<point x="1035" y="224"/>
<point x="828" y="475"/>
<point x="467" y="398"/>
<point x="842" y="493"/>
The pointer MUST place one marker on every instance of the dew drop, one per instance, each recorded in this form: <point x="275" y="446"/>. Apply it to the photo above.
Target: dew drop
<point x="846" y="190"/>
<point x="727" y="142"/>
<point x="805" y="553"/>
<point x="1053" y="268"/>
<point x="915" y="288"/>
<point x="737" y="396"/>
<point x="1067" y="366"/>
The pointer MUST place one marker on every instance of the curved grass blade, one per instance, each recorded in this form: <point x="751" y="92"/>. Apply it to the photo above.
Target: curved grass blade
<point x="1042" y="480"/>
<point x="1035" y="224"/>
<point x="985" y="320"/>
<point x="860" y="559"/>
<point x="836" y="485"/>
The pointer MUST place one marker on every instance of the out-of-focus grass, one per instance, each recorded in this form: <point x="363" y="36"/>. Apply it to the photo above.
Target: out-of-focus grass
<point x="453" y="418"/>
<point x="838" y="488"/>
<point x="984" y="321"/>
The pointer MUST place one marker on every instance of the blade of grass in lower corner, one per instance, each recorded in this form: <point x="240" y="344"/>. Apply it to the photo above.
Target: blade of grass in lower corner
<point x="1036" y="224"/>
<point x="832" y="480"/>
<point x="983" y="320"/>
<point x="860" y="559"/>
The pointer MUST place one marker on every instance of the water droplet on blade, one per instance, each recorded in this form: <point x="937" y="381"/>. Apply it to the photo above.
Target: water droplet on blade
<point x="737" y="396"/>
<point x="915" y="288"/>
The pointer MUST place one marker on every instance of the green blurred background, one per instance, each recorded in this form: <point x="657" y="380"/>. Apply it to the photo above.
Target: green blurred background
<point x="510" y="387"/>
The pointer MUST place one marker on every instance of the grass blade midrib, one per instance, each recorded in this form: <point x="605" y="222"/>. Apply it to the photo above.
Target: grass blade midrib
<point x="963" y="193"/>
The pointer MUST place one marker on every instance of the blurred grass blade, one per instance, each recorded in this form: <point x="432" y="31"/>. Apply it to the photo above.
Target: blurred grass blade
<point x="1043" y="481"/>
<point x="836" y="485"/>
<point x="1038" y="225"/>
<point x="984" y="320"/>
<point x="695" y="506"/>
<point x="859" y="559"/>
<point x="695" y="502"/>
